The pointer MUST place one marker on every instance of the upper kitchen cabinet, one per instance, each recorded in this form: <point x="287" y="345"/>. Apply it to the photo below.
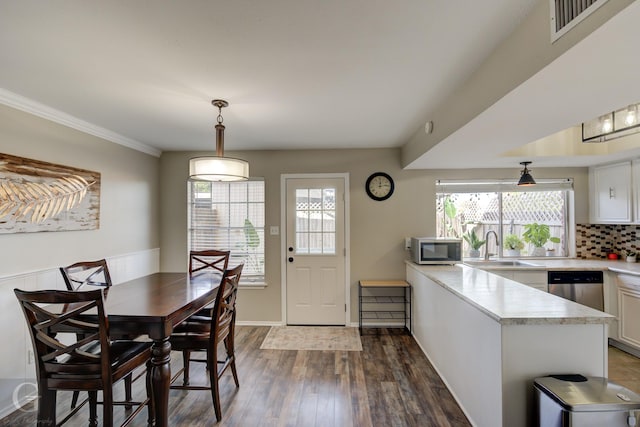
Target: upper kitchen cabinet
<point x="610" y="193"/>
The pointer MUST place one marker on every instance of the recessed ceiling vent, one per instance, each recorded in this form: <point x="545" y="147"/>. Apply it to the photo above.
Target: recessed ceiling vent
<point x="566" y="14"/>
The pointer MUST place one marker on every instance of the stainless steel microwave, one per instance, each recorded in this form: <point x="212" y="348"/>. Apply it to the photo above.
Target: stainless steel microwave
<point x="432" y="250"/>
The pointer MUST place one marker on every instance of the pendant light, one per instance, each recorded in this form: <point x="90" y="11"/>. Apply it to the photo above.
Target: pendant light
<point x="218" y="167"/>
<point x="525" y="176"/>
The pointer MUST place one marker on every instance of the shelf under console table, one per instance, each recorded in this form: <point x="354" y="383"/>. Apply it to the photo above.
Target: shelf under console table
<point x="377" y="302"/>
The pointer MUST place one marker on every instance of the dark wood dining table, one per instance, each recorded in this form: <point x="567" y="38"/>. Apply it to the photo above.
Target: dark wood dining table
<point x="153" y="305"/>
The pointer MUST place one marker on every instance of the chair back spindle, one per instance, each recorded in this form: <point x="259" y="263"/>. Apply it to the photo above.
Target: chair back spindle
<point x="210" y="258"/>
<point x="94" y="273"/>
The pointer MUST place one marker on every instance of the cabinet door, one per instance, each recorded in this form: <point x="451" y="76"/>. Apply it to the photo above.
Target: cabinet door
<point x="629" y="309"/>
<point x="502" y="273"/>
<point x="535" y="279"/>
<point x="611" y="193"/>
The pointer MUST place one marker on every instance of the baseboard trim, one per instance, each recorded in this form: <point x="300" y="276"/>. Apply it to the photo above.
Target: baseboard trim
<point x="624" y="347"/>
<point x="257" y="323"/>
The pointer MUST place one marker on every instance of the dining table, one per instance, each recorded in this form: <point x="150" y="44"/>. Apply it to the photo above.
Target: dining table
<point x="154" y="305"/>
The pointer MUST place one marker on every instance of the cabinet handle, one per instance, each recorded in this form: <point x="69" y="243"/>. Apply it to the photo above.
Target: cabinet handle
<point x="612" y="193"/>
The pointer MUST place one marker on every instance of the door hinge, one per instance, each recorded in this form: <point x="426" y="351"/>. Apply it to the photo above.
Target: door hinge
<point x="345" y="308"/>
<point x="344" y="251"/>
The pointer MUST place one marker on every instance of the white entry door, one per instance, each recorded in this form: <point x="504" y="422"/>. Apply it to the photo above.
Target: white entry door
<point x="315" y="251"/>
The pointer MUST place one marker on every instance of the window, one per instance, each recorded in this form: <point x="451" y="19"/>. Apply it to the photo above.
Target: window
<point x="316" y="221"/>
<point x="230" y="216"/>
<point x="510" y="211"/>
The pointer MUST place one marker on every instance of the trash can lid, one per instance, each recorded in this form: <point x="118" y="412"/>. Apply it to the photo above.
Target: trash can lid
<point x="577" y="393"/>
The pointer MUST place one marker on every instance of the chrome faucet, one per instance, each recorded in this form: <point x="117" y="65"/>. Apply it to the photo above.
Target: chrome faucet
<point x="486" y="239"/>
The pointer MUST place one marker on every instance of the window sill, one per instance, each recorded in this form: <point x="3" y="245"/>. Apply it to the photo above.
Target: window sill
<point x="252" y="285"/>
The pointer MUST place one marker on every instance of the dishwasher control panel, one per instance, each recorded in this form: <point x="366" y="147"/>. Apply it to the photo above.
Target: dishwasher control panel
<point x="575" y="277"/>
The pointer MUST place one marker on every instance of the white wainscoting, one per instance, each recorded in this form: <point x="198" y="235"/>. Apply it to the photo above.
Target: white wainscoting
<point x="16" y="368"/>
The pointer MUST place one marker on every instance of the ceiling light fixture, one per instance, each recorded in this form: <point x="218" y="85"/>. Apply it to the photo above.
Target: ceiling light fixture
<point x="615" y="124"/>
<point x="218" y="167"/>
<point x="525" y="175"/>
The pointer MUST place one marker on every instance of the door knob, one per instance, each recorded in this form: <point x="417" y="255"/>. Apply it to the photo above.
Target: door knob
<point x="290" y="259"/>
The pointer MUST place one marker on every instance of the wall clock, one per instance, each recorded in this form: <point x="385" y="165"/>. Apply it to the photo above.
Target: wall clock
<point x="379" y="186"/>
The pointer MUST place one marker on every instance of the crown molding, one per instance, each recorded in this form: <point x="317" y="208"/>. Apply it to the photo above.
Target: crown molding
<point x="27" y="105"/>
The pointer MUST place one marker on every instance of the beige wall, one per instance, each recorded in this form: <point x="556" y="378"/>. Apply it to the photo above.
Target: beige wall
<point x="378" y="229"/>
<point x="129" y="218"/>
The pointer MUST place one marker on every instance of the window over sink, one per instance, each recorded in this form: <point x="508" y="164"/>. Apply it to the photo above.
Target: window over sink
<point x="530" y="221"/>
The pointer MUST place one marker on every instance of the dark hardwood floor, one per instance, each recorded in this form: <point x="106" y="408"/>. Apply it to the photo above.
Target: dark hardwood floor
<point x="389" y="383"/>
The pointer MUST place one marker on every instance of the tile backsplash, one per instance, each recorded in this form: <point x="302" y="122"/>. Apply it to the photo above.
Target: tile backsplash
<point x="595" y="241"/>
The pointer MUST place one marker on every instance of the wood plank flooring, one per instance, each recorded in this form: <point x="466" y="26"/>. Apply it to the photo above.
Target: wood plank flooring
<point x="389" y="383"/>
<point x="624" y="369"/>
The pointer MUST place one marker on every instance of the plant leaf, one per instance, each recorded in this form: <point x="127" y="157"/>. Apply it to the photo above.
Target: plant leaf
<point x="41" y="200"/>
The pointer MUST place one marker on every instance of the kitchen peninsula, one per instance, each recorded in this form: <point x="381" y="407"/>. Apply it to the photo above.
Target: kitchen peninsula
<point x="489" y="337"/>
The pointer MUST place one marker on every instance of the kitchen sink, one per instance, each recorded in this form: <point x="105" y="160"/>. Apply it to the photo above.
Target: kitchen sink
<point x="500" y="263"/>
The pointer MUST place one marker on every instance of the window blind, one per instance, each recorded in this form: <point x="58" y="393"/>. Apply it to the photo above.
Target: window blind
<point x="230" y="216"/>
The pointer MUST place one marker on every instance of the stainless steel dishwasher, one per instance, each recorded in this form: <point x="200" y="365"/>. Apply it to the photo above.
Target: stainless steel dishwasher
<point x="583" y="287"/>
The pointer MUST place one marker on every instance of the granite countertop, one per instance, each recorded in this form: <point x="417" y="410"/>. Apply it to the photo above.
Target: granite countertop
<point x="507" y="301"/>
<point x="567" y="264"/>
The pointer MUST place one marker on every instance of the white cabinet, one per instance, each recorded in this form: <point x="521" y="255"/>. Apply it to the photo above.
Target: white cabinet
<point x="610" y="193"/>
<point x="635" y="187"/>
<point x="536" y="279"/>
<point x="629" y="310"/>
<point x="610" y="290"/>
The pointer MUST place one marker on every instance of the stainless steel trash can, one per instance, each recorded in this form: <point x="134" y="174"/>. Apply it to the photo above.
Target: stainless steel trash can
<point x="579" y="401"/>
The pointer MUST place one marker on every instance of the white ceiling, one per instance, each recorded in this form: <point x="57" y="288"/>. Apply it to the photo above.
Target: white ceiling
<point x="298" y="74"/>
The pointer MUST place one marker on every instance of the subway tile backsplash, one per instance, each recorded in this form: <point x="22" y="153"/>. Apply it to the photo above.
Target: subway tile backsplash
<point x="595" y="241"/>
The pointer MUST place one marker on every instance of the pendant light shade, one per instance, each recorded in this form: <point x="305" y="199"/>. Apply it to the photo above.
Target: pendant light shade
<point x="214" y="168"/>
<point x="218" y="167"/>
<point x="525" y="176"/>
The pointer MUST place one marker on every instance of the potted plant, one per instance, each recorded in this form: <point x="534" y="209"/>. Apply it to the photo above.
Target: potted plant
<point x="630" y="255"/>
<point x="538" y="235"/>
<point x="474" y="243"/>
<point x="513" y="245"/>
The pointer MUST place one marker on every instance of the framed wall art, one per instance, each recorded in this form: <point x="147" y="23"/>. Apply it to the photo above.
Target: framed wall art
<point x="39" y="196"/>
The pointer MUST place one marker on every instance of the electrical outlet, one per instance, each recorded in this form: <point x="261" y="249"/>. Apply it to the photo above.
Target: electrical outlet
<point x="407" y="243"/>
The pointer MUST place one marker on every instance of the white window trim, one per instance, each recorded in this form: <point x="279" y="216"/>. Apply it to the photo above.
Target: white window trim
<point x="542" y="184"/>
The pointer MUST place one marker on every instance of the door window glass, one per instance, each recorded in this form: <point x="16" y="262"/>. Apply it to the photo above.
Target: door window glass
<point x="315" y="225"/>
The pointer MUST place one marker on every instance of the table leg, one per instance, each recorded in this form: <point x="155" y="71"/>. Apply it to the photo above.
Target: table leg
<point x="47" y="408"/>
<point x="160" y="379"/>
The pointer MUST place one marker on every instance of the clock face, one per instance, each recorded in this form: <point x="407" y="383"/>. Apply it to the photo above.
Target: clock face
<point x="379" y="186"/>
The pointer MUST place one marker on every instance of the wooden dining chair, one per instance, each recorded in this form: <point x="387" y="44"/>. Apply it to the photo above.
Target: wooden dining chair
<point x="84" y="275"/>
<point x="210" y="258"/>
<point x="95" y="273"/>
<point x="202" y="334"/>
<point x="70" y="336"/>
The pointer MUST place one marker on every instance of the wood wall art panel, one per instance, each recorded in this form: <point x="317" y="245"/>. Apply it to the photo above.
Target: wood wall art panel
<point x="40" y="196"/>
